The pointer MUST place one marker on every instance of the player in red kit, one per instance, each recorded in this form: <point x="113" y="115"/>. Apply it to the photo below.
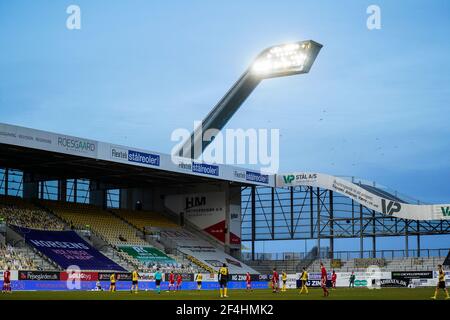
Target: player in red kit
<point x="248" y="281"/>
<point x="179" y="281"/>
<point x="6" y="281"/>
<point x="323" y="280"/>
<point x="333" y="279"/>
<point x="171" y="281"/>
<point x="275" y="280"/>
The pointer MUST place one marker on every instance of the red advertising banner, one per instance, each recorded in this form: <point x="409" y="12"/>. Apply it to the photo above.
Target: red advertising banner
<point x="82" y="276"/>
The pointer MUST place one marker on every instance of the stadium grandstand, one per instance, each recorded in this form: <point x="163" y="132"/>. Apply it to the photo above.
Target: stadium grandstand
<point x="68" y="201"/>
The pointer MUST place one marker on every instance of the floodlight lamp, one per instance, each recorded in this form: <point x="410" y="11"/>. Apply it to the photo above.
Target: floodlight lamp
<point x="286" y="59"/>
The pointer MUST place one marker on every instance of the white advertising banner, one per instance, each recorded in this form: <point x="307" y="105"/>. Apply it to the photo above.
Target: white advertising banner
<point x="47" y="141"/>
<point x="53" y="142"/>
<point x="366" y="198"/>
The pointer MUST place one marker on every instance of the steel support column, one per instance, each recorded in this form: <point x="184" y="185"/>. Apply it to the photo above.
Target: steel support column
<point x="361" y="226"/>
<point x="273" y="213"/>
<point x="292" y="212"/>
<point x="406" y="238"/>
<point x="418" y="238"/>
<point x="330" y="195"/>
<point x="311" y="211"/>
<point x="6" y="181"/>
<point x="318" y="222"/>
<point x="374" y="238"/>
<point x="253" y="221"/>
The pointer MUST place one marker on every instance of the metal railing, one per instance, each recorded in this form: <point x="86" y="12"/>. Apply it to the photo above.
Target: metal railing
<point x="348" y="255"/>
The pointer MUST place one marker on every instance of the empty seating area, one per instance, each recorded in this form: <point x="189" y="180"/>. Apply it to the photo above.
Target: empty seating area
<point x="82" y="216"/>
<point x="145" y="219"/>
<point x="15" y="259"/>
<point x="18" y="212"/>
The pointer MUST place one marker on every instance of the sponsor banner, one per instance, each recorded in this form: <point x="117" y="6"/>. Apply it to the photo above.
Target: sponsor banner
<point x="147" y="254"/>
<point x="203" y="168"/>
<point x="311" y="283"/>
<point x="185" y="165"/>
<point x="443" y="210"/>
<point x="362" y="279"/>
<point x="205" y="210"/>
<point x="67" y="248"/>
<point x="412" y="275"/>
<point x="367" y="198"/>
<point x="82" y="276"/>
<point x="120" y="276"/>
<point x="43" y="140"/>
<point x="251" y="176"/>
<point x="39" y="275"/>
<point x="142" y="158"/>
<point x="43" y="285"/>
<point x="243" y="277"/>
<point x="397" y="283"/>
<point x="14" y="275"/>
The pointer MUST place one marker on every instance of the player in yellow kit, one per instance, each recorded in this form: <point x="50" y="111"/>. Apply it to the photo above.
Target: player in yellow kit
<point x="284" y="280"/>
<point x="199" y="279"/>
<point x="441" y="283"/>
<point x="304" y="281"/>
<point x="112" y="284"/>
<point x="223" y="281"/>
<point x="134" y="281"/>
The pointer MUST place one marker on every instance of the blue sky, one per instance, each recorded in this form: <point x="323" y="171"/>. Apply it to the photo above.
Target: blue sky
<point x="375" y="104"/>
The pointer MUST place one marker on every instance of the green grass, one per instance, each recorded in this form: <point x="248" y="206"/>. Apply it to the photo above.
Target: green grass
<point x="314" y="294"/>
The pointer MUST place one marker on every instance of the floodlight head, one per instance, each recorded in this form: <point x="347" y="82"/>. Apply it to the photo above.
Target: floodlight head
<point x="286" y="59"/>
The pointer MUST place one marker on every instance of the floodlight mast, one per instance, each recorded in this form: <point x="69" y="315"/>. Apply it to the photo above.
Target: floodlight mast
<point x="277" y="61"/>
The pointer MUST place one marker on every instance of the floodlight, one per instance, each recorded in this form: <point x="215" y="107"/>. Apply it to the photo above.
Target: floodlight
<point x="277" y="61"/>
<point x="287" y="59"/>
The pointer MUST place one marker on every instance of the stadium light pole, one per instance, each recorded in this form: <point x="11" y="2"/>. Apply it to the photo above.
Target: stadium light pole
<point x="276" y="61"/>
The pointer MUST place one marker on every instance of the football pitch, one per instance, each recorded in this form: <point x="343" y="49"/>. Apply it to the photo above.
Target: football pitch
<point x="261" y="294"/>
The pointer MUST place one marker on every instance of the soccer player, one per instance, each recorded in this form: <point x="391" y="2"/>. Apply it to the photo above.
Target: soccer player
<point x="179" y="282"/>
<point x="333" y="280"/>
<point x="134" y="281"/>
<point x="248" y="280"/>
<point x="284" y="280"/>
<point x="6" y="281"/>
<point x="98" y="286"/>
<point x="223" y="281"/>
<point x="171" y="281"/>
<point x="275" y="280"/>
<point x="304" y="281"/>
<point x="199" y="279"/>
<point x="324" y="279"/>
<point x="441" y="283"/>
<point x="351" y="283"/>
<point x="112" y="282"/>
<point x="158" y="278"/>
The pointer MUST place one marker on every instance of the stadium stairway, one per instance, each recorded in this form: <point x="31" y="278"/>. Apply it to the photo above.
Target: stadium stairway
<point x="145" y="220"/>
